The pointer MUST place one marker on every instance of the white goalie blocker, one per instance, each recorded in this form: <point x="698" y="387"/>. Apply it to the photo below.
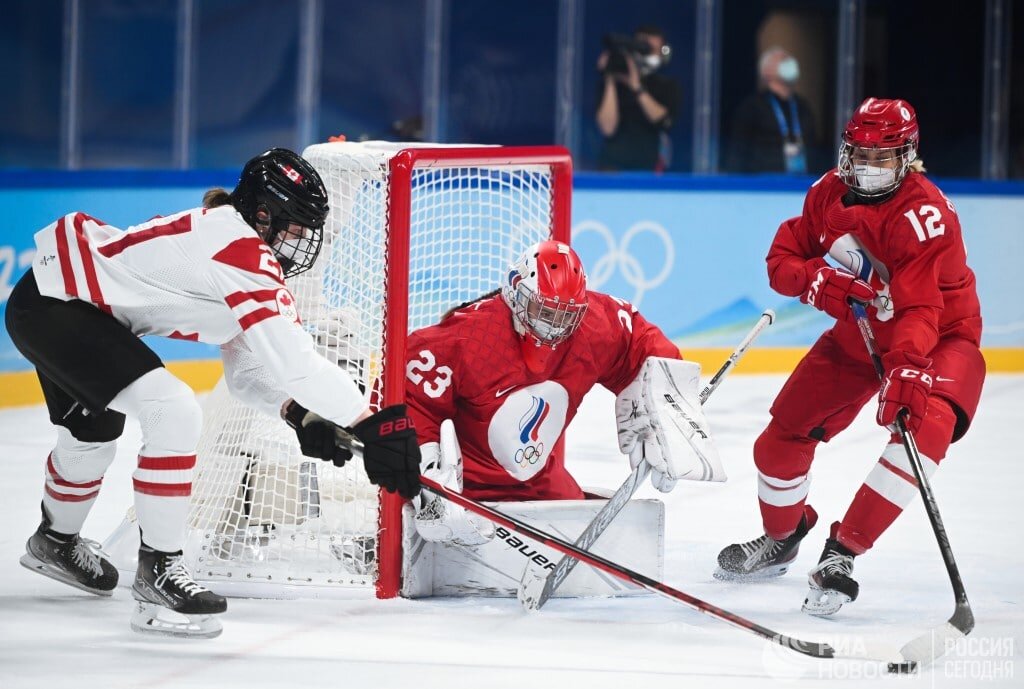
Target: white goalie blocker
<point x="661" y="422"/>
<point x="450" y="552"/>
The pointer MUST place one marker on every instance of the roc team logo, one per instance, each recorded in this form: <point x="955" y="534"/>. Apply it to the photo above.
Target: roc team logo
<point x="514" y="278"/>
<point x="849" y="253"/>
<point x="529" y="432"/>
<point x="526" y="427"/>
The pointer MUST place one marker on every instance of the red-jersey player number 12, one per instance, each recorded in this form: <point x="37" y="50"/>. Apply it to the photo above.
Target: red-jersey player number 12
<point x="931" y="227"/>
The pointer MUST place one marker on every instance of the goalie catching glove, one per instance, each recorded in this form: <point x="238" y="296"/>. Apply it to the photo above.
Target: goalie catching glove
<point x="660" y="422"/>
<point x="438" y="520"/>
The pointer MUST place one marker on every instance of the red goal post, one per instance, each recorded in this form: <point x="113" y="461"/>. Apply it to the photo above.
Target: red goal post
<point x="396" y="328"/>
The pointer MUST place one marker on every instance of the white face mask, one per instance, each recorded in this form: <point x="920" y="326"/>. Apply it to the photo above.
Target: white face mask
<point x="871" y="178"/>
<point x="789" y="70"/>
<point x="652" y="62"/>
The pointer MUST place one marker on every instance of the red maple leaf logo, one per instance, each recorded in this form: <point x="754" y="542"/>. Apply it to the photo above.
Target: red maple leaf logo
<point x="292" y="174"/>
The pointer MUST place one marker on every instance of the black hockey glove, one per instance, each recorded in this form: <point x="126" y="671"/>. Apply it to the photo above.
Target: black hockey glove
<point x="317" y="436"/>
<point x="391" y="453"/>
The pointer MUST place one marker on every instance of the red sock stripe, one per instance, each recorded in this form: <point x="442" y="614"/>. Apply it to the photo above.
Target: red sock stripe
<point x="178" y="463"/>
<point x="899" y="472"/>
<point x="163" y="489"/>
<point x="57" y="480"/>
<point x="64" y="497"/>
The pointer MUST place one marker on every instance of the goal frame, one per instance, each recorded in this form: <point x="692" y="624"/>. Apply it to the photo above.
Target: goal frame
<point x="396" y="314"/>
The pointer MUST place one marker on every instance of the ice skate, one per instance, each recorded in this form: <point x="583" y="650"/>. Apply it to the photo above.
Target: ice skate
<point x="764" y="557"/>
<point x="70" y="559"/>
<point x="170" y="602"/>
<point x="831" y="585"/>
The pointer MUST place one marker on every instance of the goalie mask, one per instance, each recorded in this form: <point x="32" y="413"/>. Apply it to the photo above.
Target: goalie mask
<point x="546" y="290"/>
<point x="281" y="196"/>
<point x="879" y="144"/>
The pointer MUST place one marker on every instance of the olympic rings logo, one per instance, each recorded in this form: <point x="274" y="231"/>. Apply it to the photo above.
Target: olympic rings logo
<point x="618" y="256"/>
<point x="530" y="454"/>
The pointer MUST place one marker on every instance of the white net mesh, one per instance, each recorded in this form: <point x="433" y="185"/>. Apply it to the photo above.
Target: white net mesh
<point x="262" y="514"/>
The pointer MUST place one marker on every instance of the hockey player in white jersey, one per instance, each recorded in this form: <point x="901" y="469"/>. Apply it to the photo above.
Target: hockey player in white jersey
<point x="213" y="274"/>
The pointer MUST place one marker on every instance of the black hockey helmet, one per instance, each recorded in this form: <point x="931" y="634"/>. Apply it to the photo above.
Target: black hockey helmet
<point x="279" y="188"/>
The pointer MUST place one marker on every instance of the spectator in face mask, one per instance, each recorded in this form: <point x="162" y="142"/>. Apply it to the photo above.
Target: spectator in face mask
<point x="773" y="129"/>
<point x="637" y="104"/>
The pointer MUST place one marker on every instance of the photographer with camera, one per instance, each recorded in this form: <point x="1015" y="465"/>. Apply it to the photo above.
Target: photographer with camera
<point x="637" y="103"/>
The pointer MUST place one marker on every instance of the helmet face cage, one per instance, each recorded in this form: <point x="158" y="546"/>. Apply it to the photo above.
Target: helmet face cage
<point x="878" y="147"/>
<point x="550" y="320"/>
<point x="282" y="197"/>
<point x="546" y="291"/>
<point x="870" y="171"/>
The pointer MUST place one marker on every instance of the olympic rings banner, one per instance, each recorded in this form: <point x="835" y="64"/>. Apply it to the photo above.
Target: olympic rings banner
<point x="692" y="260"/>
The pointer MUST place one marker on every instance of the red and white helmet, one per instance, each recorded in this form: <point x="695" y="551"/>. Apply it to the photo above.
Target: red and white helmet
<point x="879" y="144"/>
<point x="546" y="289"/>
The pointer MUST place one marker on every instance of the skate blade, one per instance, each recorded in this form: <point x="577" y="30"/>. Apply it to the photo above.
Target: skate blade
<point x="150" y="618"/>
<point x="824" y="602"/>
<point x="759" y="575"/>
<point x="29" y="561"/>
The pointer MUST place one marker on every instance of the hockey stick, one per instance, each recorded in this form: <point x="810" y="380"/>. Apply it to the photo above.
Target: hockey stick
<point x="538" y="584"/>
<point x="933" y="643"/>
<point x="813" y="649"/>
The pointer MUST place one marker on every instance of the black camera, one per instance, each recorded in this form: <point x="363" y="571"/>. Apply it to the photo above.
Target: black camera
<point x="620" y="48"/>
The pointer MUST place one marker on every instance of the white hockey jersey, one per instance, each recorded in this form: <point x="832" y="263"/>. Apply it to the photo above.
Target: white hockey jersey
<point x="201" y="275"/>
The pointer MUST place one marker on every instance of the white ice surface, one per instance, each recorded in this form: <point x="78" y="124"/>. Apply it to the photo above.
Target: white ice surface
<point x="54" y="636"/>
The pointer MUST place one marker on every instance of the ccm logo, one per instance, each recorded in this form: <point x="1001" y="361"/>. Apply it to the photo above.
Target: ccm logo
<point x="911" y="373"/>
<point x="389" y="427"/>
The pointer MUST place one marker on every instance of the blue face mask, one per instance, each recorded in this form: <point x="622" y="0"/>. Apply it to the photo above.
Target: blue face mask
<point x="789" y="70"/>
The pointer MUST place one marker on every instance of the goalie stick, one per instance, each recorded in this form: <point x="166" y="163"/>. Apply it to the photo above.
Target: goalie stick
<point x="538" y="584"/>
<point x="933" y="643"/>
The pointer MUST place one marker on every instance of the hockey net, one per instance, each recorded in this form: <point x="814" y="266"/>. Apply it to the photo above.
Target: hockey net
<point x="411" y="232"/>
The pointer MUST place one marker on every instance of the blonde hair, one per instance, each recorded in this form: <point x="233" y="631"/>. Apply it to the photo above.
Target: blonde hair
<point x="916" y="166"/>
<point x="216" y="197"/>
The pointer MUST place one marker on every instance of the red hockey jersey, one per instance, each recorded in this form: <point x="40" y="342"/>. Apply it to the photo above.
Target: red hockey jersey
<point x="909" y="247"/>
<point x="509" y="418"/>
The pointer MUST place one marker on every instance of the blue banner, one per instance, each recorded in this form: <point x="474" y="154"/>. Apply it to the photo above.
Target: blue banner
<point x="691" y="258"/>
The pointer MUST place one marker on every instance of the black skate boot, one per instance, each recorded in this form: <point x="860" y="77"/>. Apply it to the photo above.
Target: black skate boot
<point x="830" y="583"/>
<point x="69" y="558"/>
<point x="763" y="557"/>
<point x="170" y="601"/>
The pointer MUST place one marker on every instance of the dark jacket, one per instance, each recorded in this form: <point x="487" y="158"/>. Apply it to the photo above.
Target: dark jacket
<point x="755" y="143"/>
<point x="636" y="141"/>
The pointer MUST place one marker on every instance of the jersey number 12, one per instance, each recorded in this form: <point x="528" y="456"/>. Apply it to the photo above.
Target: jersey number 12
<point x="931" y="226"/>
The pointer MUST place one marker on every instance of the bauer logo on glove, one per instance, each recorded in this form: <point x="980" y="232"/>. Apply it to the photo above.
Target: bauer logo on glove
<point x="660" y="422"/>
